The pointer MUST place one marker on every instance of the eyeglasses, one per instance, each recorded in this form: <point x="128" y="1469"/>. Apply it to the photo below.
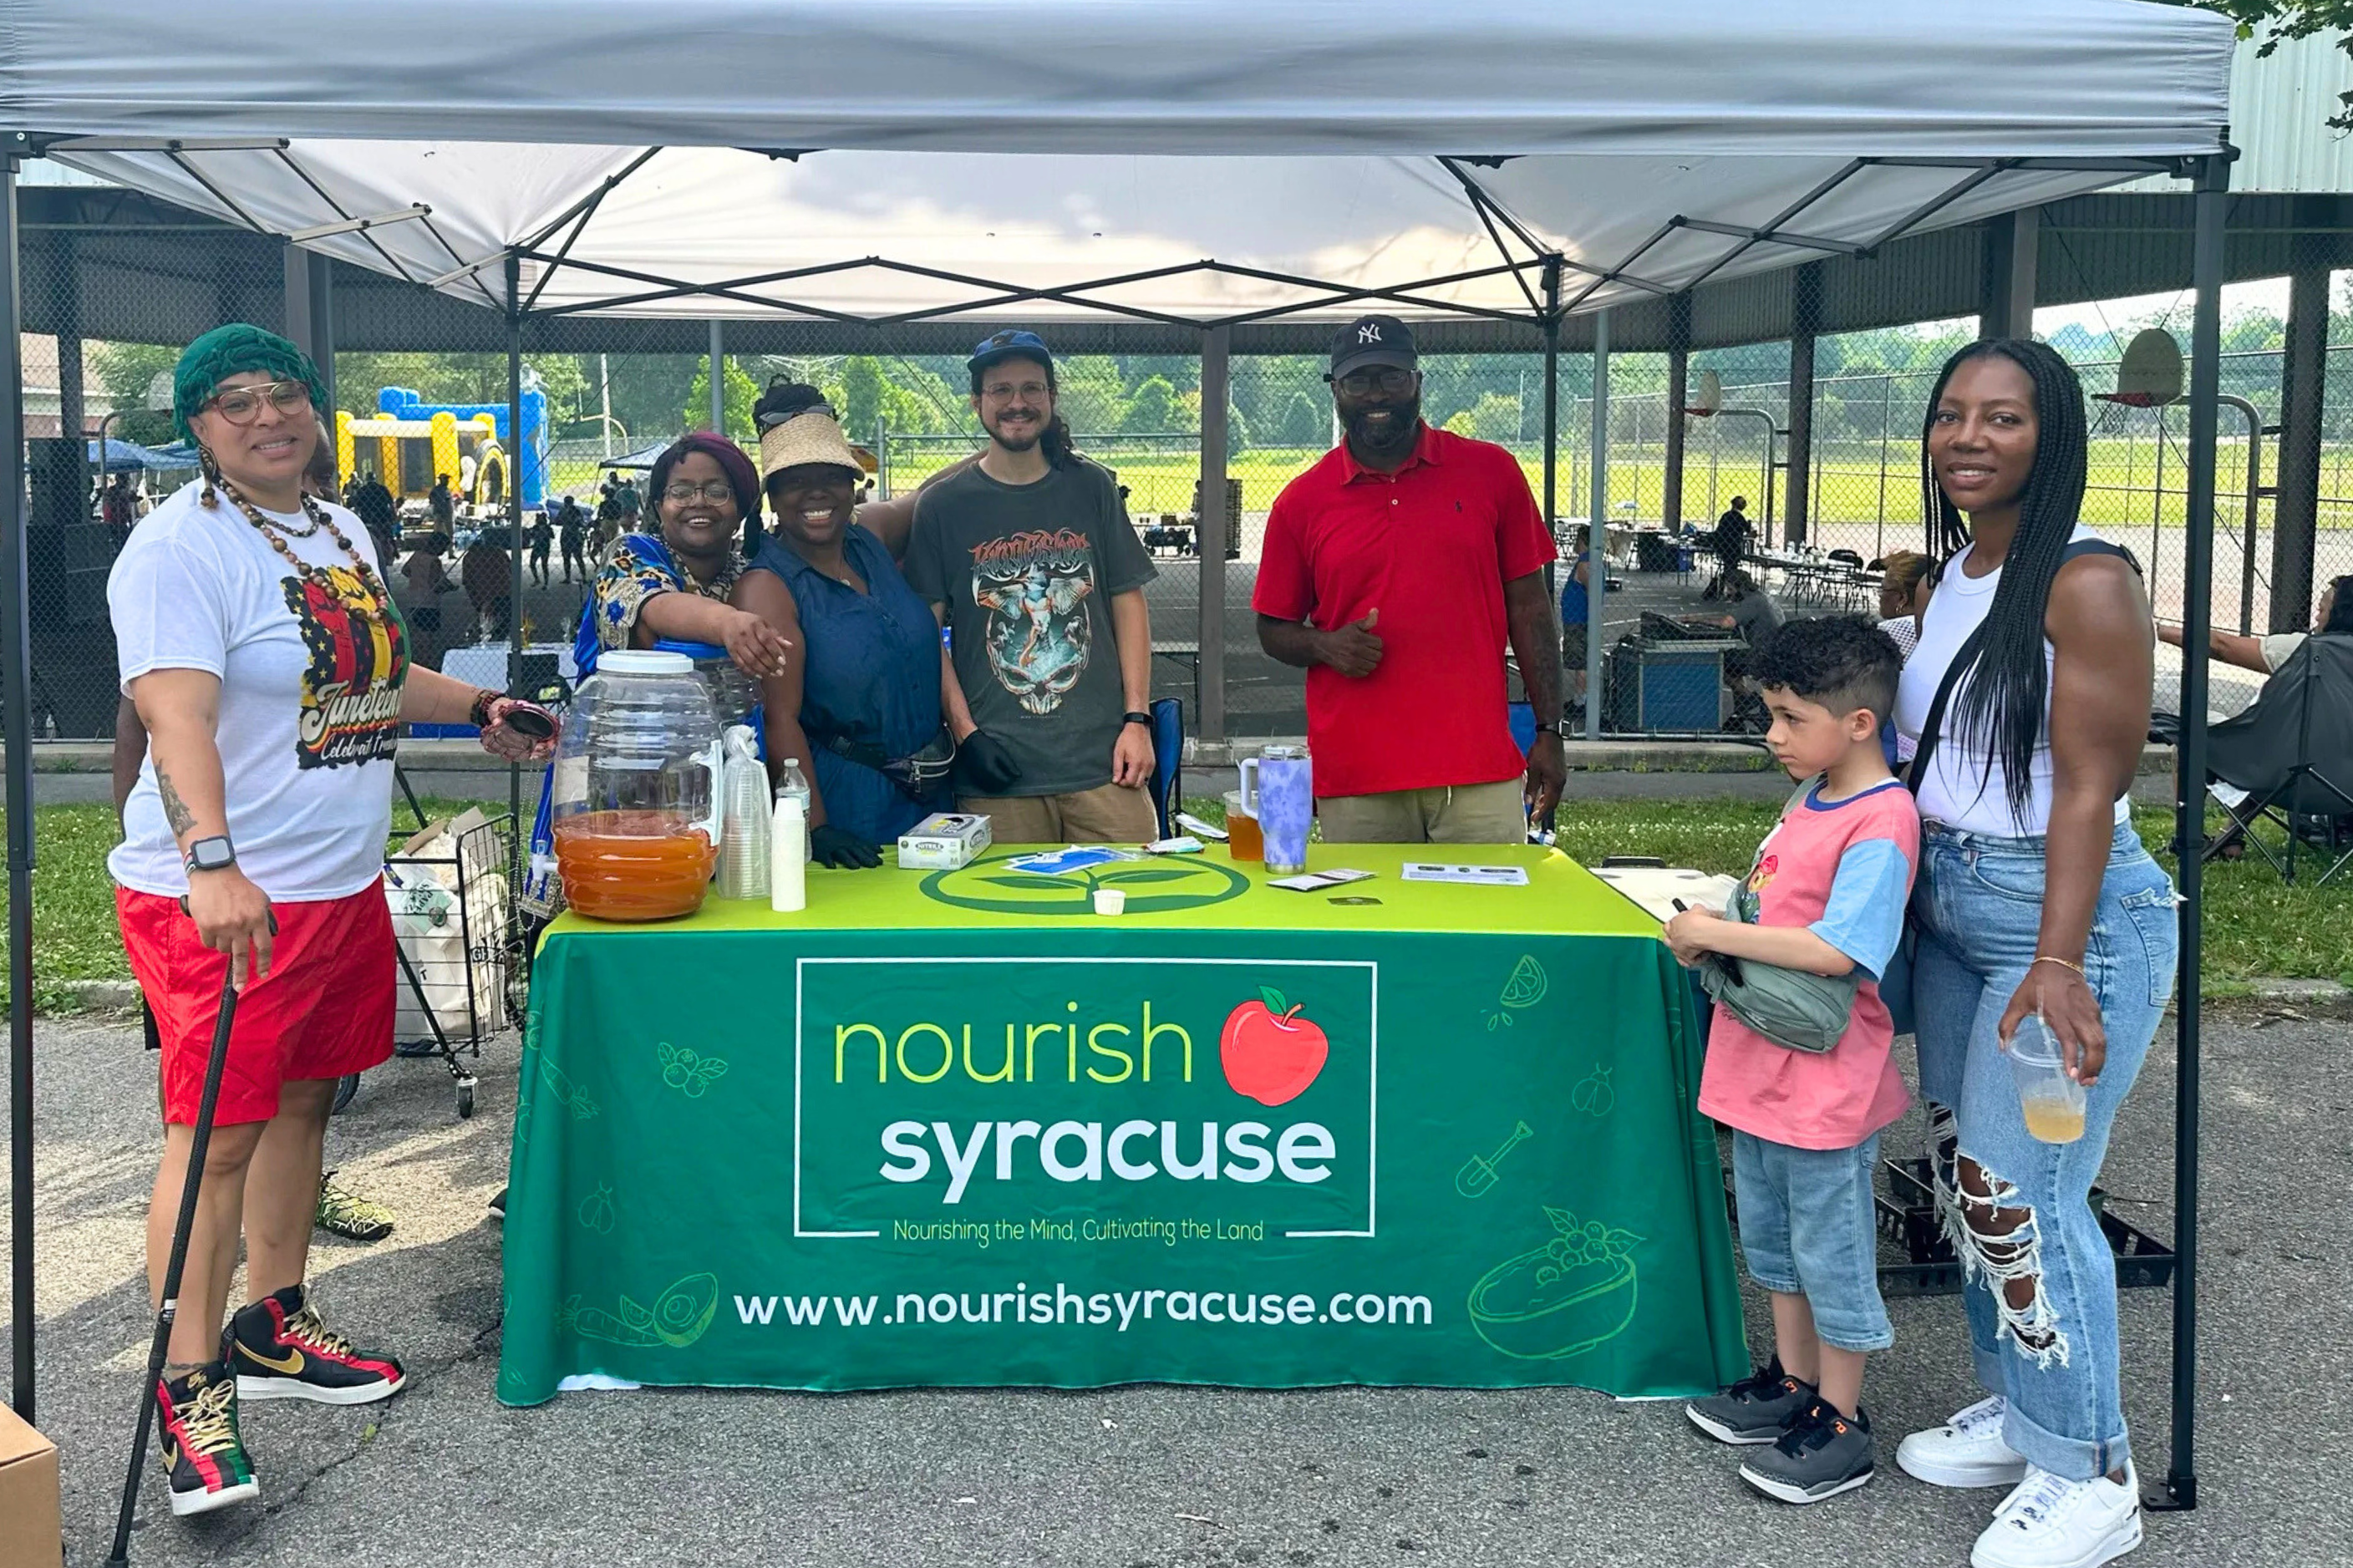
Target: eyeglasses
<point x="1387" y="378"/>
<point x="686" y="490"/>
<point x="242" y="405"/>
<point x="998" y="391"/>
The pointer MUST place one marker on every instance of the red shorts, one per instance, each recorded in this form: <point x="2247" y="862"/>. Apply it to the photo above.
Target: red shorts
<point x="325" y="1009"/>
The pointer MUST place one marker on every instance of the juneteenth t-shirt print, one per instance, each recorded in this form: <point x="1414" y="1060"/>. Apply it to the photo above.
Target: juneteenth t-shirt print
<point x="359" y="661"/>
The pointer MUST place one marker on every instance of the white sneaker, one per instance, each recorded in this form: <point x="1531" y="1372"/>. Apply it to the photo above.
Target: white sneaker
<point x="2052" y="1522"/>
<point x="1966" y="1451"/>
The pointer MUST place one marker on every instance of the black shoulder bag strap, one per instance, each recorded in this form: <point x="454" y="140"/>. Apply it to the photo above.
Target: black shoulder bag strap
<point x="1967" y="652"/>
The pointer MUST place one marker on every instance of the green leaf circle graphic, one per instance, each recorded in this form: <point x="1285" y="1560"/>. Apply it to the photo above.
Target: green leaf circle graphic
<point x="1174" y="883"/>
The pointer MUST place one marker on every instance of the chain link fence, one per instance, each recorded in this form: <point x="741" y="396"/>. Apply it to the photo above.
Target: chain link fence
<point x="421" y="393"/>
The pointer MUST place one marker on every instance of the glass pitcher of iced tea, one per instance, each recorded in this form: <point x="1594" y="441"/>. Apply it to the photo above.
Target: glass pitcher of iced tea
<point x="636" y="793"/>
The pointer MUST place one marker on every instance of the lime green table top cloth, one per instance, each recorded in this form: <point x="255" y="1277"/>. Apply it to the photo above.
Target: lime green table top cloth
<point x="954" y="1128"/>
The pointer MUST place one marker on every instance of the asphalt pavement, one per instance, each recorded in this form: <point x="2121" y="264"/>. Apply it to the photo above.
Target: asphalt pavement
<point x="1150" y="1475"/>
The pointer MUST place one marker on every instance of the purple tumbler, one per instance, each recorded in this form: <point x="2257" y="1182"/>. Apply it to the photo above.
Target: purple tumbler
<point x="1279" y="789"/>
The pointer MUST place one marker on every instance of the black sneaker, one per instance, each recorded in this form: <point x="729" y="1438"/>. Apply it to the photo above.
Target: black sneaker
<point x="498" y="1206"/>
<point x="1821" y="1455"/>
<point x="195" y="1415"/>
<point x="282" y="1351"/>
<point x="1755" y="1409"/>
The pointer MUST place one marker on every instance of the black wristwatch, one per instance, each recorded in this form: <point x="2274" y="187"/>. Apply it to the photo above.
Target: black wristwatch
<point x="1143" y="718"/>
<point x="214" y="854"/>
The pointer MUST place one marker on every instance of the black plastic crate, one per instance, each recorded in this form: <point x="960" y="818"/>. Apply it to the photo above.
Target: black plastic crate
<point x="1908" y="1216"/>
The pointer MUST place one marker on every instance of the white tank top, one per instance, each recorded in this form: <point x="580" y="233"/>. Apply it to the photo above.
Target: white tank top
<point x="1960" y="790"/>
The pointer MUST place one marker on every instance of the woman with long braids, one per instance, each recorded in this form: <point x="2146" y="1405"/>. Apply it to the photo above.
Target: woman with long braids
<point x="2028" y="697"/>
<point x="272" y="674"/>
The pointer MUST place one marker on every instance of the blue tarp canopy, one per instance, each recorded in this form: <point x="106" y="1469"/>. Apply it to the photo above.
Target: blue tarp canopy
<point x="129" y="456"/>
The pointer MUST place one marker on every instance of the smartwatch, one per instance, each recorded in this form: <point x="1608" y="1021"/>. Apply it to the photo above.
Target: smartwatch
<point x="1143" y="718"/>
<point x="214" y="854"/>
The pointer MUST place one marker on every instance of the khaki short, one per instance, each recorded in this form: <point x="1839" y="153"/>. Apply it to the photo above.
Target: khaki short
<point x="1107" y="814"/>
<point x="1457" y="814"/>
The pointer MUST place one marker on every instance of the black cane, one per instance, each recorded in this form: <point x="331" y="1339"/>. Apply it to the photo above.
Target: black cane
<point x="199" y="1138"/>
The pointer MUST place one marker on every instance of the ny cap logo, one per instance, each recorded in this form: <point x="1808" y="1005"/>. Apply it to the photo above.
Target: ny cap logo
<point x="1370" y="332"/>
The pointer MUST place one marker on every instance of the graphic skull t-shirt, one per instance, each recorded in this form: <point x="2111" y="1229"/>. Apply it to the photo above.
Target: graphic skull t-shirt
<point x="1028" y="573"/>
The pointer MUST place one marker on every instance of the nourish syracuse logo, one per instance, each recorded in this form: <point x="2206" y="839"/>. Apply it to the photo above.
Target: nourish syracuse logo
<point x="1006" y="1088"/>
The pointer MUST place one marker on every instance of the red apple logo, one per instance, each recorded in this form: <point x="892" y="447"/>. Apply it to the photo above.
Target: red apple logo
<point x="1270" y="1052"/>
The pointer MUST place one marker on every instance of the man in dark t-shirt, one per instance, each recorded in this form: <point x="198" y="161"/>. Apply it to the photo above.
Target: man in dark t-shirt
<point x="1029" y="561"/>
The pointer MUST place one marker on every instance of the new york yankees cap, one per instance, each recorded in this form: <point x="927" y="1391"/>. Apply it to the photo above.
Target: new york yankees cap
<point x="1371" y="341"/>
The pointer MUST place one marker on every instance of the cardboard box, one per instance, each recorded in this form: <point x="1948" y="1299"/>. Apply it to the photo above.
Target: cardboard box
<point x="31" y="1533"/>
<point x="943" y="841"/>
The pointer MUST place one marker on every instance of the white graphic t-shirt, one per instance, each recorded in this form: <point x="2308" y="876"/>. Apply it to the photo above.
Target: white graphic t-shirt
<point x="311" y="678"/>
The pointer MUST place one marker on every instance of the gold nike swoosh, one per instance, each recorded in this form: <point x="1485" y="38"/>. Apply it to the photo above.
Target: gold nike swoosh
<point x="291" y="1363"/>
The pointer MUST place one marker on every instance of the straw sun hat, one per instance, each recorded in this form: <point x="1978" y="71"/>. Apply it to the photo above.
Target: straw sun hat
<point x="797" y="426"/>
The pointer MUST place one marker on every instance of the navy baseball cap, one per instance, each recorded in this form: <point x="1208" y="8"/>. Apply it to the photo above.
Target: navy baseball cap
<point x="1013" y="344"/>
<point x="1372" y="340"/>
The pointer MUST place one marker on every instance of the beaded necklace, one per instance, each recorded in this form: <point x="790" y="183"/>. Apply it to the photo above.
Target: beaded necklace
<point x="319" y="520"/>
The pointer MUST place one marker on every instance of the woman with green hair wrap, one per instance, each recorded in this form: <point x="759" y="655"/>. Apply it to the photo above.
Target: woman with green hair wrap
<point x="271" y="672"/>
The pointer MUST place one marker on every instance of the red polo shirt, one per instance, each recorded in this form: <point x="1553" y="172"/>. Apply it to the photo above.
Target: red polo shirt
<point x="1430" y="547"/>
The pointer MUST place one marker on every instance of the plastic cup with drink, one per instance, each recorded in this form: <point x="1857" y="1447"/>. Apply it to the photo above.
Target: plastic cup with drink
<point x="1242" y="840"/>
<point x="2052" y="1102"/>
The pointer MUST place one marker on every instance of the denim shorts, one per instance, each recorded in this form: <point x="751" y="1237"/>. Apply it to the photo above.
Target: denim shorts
<point x="1806" y="1229"/>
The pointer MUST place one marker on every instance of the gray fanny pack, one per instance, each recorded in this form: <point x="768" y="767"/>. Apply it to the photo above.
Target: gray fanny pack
<point x="1790" y="1007"/>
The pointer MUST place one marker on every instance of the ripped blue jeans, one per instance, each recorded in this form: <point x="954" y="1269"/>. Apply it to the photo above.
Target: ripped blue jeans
<point x="1978" y="906"/>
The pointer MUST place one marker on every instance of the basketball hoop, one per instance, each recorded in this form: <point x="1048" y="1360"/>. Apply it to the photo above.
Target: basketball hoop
<point x="2149" y="375"/>
<point x="1708" y="397"/>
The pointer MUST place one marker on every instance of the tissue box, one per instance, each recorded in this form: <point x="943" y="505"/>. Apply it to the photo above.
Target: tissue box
<point x="942" y="842"/>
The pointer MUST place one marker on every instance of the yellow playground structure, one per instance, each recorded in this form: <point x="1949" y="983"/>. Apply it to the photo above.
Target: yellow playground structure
<point x="408" y="454"/>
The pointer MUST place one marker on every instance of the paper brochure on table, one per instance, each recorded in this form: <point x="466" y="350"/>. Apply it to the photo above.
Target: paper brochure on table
<point x="1475" y="876"/>
<point x="1077" y="858"/>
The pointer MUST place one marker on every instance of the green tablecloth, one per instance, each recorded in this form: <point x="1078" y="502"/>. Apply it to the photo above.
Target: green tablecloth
<point x="956" y="1129"/>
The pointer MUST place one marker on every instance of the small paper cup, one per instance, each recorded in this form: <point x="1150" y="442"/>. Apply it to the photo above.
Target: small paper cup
<point x="1111" y="901"/>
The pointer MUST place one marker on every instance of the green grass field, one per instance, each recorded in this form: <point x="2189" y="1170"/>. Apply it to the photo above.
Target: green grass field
<point x="1851" y="487"/>
<point x="2256" y="927"/>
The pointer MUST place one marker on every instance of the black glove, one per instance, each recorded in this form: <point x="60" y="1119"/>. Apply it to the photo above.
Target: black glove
<point x="830" y="845"/>
<point x="985" y="764"/>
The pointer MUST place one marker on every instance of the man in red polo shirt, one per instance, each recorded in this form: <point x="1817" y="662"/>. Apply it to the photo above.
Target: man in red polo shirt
<point x="1395" y="571"/>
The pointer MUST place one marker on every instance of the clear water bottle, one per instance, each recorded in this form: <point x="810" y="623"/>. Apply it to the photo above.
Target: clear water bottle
<point x="793" y="784"/>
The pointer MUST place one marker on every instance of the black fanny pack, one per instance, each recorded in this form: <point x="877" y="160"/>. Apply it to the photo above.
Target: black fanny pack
<point x="919" y="774"/>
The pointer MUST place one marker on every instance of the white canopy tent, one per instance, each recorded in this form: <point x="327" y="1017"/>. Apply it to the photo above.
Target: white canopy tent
<point x="1193" y="162"/>
<point x="1197" y="160"/>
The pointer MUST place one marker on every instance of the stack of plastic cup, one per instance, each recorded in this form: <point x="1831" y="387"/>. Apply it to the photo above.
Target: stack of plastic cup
<point x="744" y="826"/>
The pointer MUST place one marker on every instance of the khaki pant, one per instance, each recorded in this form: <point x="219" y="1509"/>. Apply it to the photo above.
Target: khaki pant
<point x="1107" y="814"/>
<point x="1456" y="814"/>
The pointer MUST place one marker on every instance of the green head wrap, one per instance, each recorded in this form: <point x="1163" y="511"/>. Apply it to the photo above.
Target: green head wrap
<point x="225" y="350"/>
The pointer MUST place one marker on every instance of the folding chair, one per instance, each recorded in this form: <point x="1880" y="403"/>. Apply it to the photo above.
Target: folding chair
<point x="2292" y="753"/>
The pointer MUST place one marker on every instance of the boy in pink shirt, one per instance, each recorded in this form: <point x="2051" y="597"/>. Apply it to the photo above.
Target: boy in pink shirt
<point x="1826" y="895"/>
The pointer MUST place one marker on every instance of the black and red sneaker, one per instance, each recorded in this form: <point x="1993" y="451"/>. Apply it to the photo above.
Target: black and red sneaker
<point x="203" y="1455"/>
<point x="281" y="1351"/>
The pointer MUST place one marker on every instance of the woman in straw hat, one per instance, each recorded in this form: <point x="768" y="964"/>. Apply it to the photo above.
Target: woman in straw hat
<point x="859" y="699"/>
<point x="271" y="673"/>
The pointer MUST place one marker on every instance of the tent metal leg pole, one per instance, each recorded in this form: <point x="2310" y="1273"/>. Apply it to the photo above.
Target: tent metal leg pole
<point x="1210" y="536"/>
<point x="1597" y="532"/>
<point x="16" y="697"/>
<point x="518" y="440"/>
<point x="2179" y="1489"/>
<point x="1551" y="405"/>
